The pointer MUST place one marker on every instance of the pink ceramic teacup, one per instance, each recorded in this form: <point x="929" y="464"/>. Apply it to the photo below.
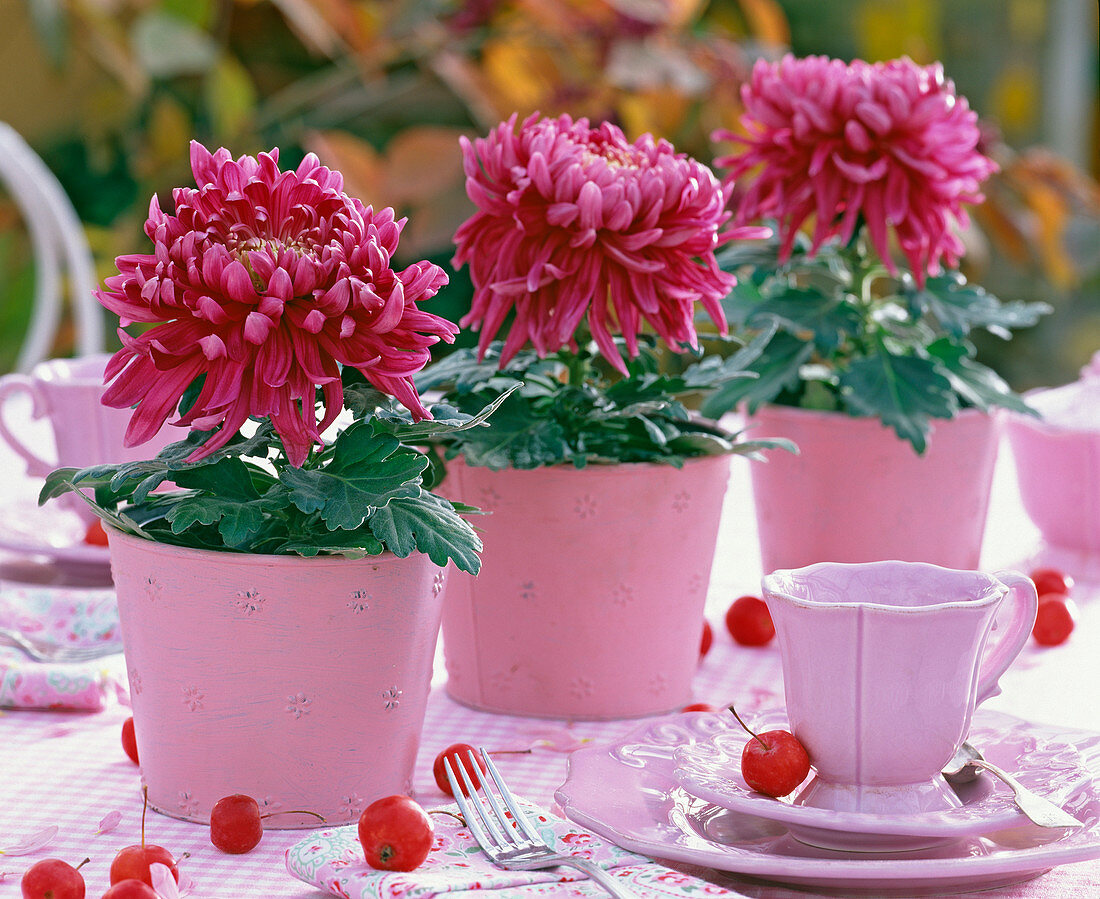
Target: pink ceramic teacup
<point x="884" y="664"/>
<point x="1058" y="466"/>
<point x="67" y="393"/>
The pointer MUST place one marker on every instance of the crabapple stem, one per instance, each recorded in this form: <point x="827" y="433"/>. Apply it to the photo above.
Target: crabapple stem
<point x="294" y="811"/>
<point x="748" y="730"/>
<point x="144" y="806"/>
<point x="443" y="811"/>
<point x="82" y="864"/>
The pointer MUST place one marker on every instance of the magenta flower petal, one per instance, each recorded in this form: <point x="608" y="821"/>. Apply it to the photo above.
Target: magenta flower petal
<point x="578" y="223"/>
<point x="266" y="282"/>
<point x="891" y="143"/>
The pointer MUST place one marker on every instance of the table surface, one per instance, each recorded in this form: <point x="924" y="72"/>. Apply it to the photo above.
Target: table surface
<point x="68" y="768"/>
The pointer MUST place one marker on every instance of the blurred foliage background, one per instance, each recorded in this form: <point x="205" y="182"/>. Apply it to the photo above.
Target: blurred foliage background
<point x="109" y="92"/>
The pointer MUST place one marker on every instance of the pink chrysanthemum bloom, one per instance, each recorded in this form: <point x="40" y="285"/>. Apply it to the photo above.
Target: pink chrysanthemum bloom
<point x="575" y="221"/>
<point x="889" y="142"/>
<point x="265" y="282"/>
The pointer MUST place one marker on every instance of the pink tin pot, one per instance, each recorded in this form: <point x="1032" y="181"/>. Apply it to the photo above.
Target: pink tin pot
<point x="300" y="682"/>
<point x="857" y="493"/>
<point x="1058" y="463"/>
<point x="590" y="599"/>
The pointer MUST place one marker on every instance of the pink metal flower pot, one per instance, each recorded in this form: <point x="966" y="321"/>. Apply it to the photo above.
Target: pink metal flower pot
<point x="299" y="682"/>
<point x="590" y="599"/>
<point x="857" y="493"/>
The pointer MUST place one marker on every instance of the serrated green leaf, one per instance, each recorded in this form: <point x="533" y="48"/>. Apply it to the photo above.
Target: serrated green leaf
<point x="362" y="399"/>
<point x="811" y="315"/>
<point x="431" y="525"/>
<point x="712" y="371"/>
<point x="959" y="307"/>
<point x="517" y="438"/>
<point x="905" y="392"/>
<point x="977" y="384"/>
<point x="367" y="470"/>
<point x="776" y="369"/>
<point x="237" y="521"/>
<point x="355" y="544"/>
<point x="462" y="371"/>
<point x="228" y="478"/>
<point x="450" y="420"/>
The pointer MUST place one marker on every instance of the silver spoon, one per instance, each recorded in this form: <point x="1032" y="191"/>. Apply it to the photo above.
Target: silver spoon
<point x="963" y="768"/>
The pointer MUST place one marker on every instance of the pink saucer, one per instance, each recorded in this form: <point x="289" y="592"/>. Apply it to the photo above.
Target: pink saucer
<point x="709" y="769"/>
<point x="53" y="533"/>
<point x="627" y="792"/>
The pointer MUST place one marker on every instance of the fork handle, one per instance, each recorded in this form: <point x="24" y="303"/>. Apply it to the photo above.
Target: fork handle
<point x="601" y="876"/>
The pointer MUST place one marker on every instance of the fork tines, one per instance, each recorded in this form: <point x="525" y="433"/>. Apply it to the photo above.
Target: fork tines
<point x="492" y="829"/>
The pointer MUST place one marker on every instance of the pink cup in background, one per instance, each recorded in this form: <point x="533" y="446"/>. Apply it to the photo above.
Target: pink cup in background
<point x="1058" y="466"/>
<point x="67" y="393"/>
<point x="883" y="666"/>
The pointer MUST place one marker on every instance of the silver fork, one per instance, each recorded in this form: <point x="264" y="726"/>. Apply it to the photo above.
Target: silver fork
<point x="513" y="845"/>
<point x="41" y="651"/>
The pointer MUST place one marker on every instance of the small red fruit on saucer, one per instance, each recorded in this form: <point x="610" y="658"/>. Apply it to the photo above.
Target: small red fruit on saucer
<point x="749" y="621"/>
<point x="773" y="763"/>
<point x="1054" y="620"/>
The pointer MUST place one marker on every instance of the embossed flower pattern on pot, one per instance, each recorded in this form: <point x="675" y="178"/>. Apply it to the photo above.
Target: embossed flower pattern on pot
<point x="298" y="704"/>
<point x="585" y="507"/>
<point x="581" y="687"/>
<point x="352" y="804"/>
<point x="187" y="803"/>
<point x="249" y="601"/>
<point x="622" y="595"/>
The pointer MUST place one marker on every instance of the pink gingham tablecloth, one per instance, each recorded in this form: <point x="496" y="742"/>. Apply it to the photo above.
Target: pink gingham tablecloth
<point x="67" y="769"/>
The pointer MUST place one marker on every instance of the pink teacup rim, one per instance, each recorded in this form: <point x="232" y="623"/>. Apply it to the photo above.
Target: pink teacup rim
<point x="914" y="586"/>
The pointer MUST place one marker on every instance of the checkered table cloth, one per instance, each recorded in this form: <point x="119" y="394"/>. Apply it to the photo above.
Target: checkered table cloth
<point x="68" y="769"/>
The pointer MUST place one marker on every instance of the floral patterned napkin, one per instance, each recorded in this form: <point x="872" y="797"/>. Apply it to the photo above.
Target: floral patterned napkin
<point x="64" y="615"/>
<point x="332" y="860"/>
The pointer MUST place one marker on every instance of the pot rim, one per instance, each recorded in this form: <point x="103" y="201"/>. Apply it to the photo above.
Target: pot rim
<point x="835" y="415"/>
<point x="601" y="467"/>
<point x="280" y="560"/>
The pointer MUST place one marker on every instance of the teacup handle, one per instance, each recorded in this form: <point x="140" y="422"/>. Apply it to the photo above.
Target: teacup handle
<point x="10" y="385"/>
<point x="1014" y="632"/>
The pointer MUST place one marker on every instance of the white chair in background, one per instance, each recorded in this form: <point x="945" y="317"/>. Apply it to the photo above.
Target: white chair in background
<point x="59" y="246"/>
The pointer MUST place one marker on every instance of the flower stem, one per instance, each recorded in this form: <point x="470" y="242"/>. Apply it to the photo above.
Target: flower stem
<point x="577" y="366"/>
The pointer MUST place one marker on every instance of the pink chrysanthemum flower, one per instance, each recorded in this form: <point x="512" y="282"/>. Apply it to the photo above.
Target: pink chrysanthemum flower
<point x="889" y="142"/>
<point x="265" y="282"/>
<point x="575" y="221"/>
